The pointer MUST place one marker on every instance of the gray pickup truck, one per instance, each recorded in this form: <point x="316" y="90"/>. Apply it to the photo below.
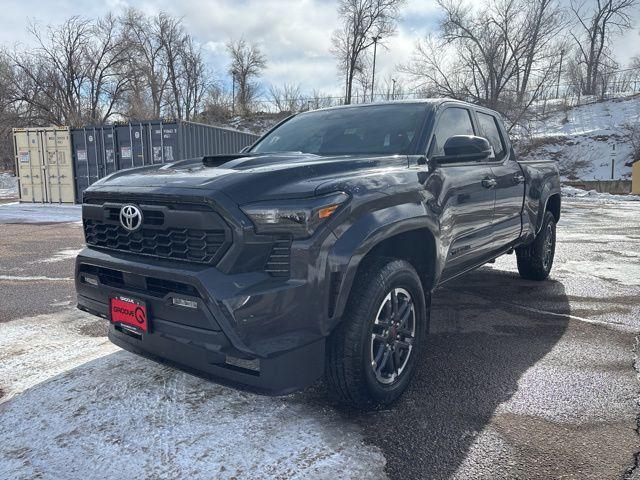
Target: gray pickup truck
<point x="313" y="253"/>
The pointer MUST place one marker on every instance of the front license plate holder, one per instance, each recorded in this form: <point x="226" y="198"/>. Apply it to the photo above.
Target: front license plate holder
<point x="129" y="313"/>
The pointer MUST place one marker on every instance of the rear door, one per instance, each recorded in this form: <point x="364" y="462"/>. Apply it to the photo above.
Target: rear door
<point x="509" y="188"/>
<point x="58" y="165"/>
<point x="30" y="165"/>
<point x="465" y="199"/>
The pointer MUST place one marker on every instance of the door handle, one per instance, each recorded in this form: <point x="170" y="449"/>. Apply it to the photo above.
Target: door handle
<point x="518" y="179"/>
<point x="489" y="182"/>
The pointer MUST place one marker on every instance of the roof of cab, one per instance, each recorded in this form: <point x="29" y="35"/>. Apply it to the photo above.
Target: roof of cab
<point x="433" y="102"/>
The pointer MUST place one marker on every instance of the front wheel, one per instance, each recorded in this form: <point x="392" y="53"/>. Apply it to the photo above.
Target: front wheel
<point x="536" y="259"/>
<point x="372" y="354"/>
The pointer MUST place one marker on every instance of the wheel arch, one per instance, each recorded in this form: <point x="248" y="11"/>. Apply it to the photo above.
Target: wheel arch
<point x="553" y="205"/>
<point x="414" y="239"/>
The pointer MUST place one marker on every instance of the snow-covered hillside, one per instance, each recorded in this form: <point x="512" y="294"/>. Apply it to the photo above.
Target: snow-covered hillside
<point x="587" y="138"/>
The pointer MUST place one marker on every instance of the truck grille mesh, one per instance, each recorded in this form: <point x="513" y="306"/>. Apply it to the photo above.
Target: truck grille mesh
<point x="192" y="245"/>
<point x="187" y="232"/>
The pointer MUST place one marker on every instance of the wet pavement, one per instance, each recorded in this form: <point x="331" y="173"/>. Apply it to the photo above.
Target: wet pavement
<point x="520" y="380"/>
<point x="36" y="268"/>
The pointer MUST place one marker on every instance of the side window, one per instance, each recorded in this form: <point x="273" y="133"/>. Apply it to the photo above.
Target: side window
<point x="489" y="130"/>
<point x="453" y="121"/>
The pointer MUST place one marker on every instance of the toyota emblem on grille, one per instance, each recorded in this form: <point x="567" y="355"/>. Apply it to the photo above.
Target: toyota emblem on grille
<point x="130" y="217"/>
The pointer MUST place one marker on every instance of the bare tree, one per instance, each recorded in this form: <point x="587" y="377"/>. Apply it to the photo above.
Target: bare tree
<point x="287" y="98"/>
<point x="106" y="57"/>
<point x="75" y="74"/>
<point x="166" y="70"/>
<point x="502" y="56"/>
<point x="536" y="43"/>
<point x="363" y="78"/>
<point x="10" y="111"/>
<point x="391" y="88"/>
<point x="172" y="38"/>
<point x="146" y="62"/>
<point x="319" y="99"/>
<point x="195" y="79"/>
<point x="361" y="21"/>
<point x="216" y="105"/>
<point x="247" y="63"/>
<point x="55" y="73"/>
<point x="595" y="28"/>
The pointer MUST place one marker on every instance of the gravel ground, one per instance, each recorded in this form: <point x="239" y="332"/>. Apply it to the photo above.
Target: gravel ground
<point x="520" y="380"/>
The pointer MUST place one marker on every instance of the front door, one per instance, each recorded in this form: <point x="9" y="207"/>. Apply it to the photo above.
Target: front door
<point x="466" y="197"/>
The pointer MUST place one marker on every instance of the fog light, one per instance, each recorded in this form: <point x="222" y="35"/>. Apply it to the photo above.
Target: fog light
<point x="183" y="302"/>
<point x="90" y="281"/>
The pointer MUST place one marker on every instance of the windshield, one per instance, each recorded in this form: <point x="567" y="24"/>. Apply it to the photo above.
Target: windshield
<point x="379" y="129"/>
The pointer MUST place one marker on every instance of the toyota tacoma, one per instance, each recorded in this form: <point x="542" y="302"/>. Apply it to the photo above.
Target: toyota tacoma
<point x="315" y="251"/>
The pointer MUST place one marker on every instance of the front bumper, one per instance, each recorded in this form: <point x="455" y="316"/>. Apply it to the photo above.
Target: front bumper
<point x="249" y="330"/>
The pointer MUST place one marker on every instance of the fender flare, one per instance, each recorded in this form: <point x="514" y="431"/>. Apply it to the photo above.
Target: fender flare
<point x="541" y="184"/>
<point x="543" y="204"/>
<point x="362" y="236"/>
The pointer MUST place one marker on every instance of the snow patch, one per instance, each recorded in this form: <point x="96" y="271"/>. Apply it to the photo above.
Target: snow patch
<point x="592" y="195"/>
<point x="8" y="186"/>
<point x="39" y="213"/>
<point x="36" y="349"/>
<point x="69" y="394"/>
<point x="62" y="255"/>
<point x="12" y="278"/>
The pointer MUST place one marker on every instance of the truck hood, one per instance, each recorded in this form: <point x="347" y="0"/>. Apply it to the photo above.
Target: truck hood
<point x="249" y="178"/>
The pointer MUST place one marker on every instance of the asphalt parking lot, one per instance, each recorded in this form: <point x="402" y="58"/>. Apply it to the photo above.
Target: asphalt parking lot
<point x="521" y="380"/>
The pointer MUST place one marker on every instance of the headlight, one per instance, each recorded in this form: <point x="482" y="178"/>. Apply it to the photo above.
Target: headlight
<point x="300" y="217"/>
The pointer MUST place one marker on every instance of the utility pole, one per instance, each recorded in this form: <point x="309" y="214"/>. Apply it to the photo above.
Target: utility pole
<point x="559" y="73"/>
<point x="373" y="77"/>
<point x="613" y="161"/>
<point x="393" y="89"/>
<point x="233" y="92"/>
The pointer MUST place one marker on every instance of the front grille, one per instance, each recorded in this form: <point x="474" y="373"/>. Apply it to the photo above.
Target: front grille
<point x="182" y="232"/>
<point x="279" y="261"/>
<point x="192" y="245"/>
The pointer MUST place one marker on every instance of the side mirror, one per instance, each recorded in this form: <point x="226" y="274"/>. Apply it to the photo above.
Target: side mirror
<point x="465" y="148"/>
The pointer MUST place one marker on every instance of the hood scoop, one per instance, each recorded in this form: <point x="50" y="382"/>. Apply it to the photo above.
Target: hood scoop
<point x="217" y="160"/>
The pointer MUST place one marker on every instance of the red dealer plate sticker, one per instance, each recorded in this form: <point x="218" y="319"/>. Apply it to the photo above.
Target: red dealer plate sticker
<point x="129" y="311"/>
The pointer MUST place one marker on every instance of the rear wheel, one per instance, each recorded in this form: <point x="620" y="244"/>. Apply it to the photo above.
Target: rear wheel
<point x="372" y="354"/>
<point x="536" y="259"/>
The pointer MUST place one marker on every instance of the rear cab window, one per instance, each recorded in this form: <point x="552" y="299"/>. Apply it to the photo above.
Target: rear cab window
<point x="489" y="129"/>
<point x="453" y="121"/>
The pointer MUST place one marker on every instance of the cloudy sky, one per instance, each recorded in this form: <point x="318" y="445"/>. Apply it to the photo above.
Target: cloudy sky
<point x="294" y="34"/>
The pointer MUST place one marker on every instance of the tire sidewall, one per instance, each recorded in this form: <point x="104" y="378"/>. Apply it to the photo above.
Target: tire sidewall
<point x="548" y="220"/>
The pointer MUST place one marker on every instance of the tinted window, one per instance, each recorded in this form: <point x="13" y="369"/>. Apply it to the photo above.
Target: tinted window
<point x="380" y="129"/>
<point x="489" y="130"/>
<point x="453" y="121"/>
